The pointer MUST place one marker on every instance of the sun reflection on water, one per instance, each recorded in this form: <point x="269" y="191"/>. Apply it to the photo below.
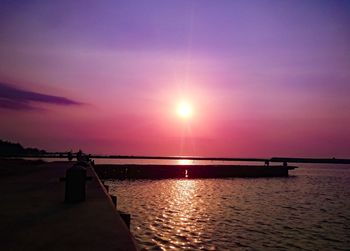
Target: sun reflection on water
<point x="230" y="214"/>
<point x="181" y="211"/>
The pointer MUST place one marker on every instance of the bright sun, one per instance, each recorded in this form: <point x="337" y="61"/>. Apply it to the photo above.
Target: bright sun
<point x="184" y="110"/>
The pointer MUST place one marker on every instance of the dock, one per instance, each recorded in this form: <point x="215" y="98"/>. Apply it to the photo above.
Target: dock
<point x="34" y="216"/>
<point x="149" y="171"/>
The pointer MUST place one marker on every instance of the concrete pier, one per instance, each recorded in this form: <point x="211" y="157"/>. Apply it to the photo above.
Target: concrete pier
<point x="33" y="214"/>
<point x="148" y="171"/>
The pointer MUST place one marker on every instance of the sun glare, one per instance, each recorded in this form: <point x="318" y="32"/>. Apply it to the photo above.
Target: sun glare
<point x="184" y="110"/>
<point x="184" y="162"/>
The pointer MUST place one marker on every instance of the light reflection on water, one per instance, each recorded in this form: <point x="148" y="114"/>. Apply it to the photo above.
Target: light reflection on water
<point x="310" y="211"/>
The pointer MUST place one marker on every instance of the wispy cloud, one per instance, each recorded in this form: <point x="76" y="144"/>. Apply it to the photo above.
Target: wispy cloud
<point x="18" y="99"/>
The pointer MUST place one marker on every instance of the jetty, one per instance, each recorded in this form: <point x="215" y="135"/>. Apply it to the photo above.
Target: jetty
<point x="194" y="171"/>
<point x="262" y="167"/>
<point x="35" y="217"/>
<point x="147" y="171"/>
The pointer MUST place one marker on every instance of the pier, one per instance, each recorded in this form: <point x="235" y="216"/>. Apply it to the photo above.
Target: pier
<point x="146" y="171"/>
<point x="262" y="167"/>
<point x="35" y="217"/>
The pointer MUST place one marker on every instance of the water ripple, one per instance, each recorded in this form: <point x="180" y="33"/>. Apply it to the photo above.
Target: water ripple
<point x="310" y="211"/>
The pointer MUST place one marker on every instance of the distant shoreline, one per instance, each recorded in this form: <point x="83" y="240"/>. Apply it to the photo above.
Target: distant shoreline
<point x="273" y="159"/>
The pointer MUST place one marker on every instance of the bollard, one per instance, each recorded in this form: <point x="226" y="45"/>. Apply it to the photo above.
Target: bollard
<point x="75" y="188"/>
<point x="114" y="200"/>
<point x="126" y="218"/>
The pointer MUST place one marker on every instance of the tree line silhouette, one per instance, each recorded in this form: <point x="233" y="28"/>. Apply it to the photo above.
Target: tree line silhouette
<point x="8" y="148"/>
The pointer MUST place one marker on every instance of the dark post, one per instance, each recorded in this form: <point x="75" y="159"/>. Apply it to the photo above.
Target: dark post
<point x="75" y="184"/>
<point x="126" y="218"/>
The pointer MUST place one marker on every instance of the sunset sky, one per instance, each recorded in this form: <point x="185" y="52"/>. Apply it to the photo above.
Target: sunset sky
<point x="211" y="78"/>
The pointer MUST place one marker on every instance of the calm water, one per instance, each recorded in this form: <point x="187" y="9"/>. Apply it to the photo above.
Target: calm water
<point x="308" y="211"/>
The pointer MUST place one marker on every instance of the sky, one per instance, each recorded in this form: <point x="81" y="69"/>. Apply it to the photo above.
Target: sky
<point x="262" y="78"/>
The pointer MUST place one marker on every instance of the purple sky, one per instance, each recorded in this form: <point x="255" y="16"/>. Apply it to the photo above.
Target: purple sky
<point x="265" y="78"/>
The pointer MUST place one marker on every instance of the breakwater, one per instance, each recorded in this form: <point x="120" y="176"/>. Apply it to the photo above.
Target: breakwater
<point x="150" y="171"/>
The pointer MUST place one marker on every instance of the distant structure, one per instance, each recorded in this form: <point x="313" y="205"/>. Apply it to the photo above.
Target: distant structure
<point x="84" y="159"/>
<point x="79" y="155"/>
<point x="70" y="155"/>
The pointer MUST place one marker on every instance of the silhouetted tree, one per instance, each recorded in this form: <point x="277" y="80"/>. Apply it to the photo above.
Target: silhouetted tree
<point x="12" y="149"/>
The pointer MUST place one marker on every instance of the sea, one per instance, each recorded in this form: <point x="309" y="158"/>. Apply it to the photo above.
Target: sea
<point x="310" y="210"/>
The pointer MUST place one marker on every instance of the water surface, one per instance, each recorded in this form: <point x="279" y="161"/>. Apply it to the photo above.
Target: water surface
<point x="308" y="211"/>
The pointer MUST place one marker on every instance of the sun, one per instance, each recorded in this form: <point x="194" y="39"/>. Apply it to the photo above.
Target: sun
<point x="184" y="109"/>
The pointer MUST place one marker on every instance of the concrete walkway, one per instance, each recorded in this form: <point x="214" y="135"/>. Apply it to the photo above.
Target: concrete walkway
<point x="34" y="217"/>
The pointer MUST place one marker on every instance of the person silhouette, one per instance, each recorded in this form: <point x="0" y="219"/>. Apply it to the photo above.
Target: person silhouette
<point x="70" y="155"/>
<point x="79" y="155"/>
